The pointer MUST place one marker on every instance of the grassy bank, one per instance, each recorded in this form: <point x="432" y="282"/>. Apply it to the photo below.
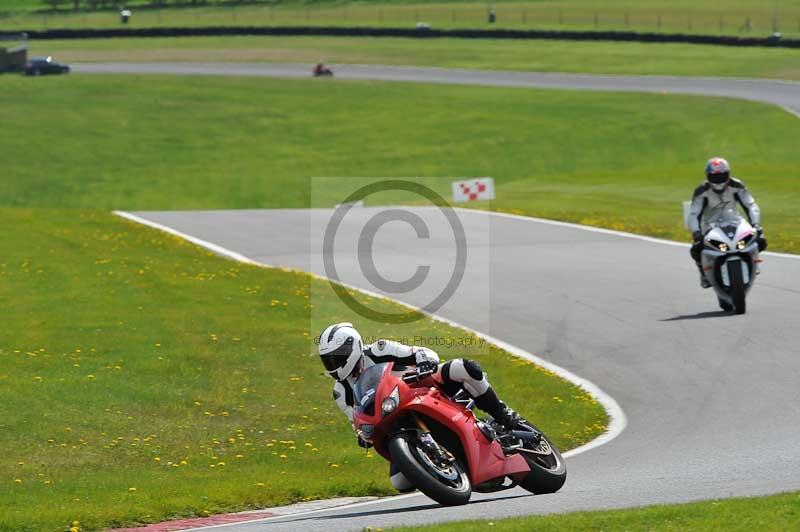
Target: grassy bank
<point x="144" y="378"/>
<point x="624" y="161"/>
<point x="729" y="17"/>
<point x="539" y="56"/>
<point x="774" y="513"/>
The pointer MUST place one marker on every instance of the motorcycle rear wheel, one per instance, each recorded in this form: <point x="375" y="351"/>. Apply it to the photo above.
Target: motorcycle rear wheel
<point x="426" y="476"/>
<point x="548" y="470"/>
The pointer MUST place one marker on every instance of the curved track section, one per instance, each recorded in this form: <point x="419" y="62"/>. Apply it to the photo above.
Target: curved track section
<point x="712" y="399"/>
<point x="783" y="93"/>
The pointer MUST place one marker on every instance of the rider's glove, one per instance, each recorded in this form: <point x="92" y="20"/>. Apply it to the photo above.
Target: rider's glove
<point x="426" y="365"/>
<point x="697" y="236"/>
<point x="363" y="443"/>
<point x="762" y="241"/>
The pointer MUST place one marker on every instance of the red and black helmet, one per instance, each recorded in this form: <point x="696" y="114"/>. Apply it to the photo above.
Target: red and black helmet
<point x="718" y="173"/>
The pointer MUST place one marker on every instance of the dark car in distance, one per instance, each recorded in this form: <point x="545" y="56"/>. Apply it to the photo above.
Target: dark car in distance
<point x="39" y="66"/>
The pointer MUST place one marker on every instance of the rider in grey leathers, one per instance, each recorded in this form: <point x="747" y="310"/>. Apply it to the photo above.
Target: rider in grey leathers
<point x="718" y="193"/>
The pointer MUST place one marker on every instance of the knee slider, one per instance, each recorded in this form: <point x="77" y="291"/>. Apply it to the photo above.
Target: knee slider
<point x="473" y="369"/>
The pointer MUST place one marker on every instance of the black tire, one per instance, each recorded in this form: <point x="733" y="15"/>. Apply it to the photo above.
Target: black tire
<point x="724" y="305"/>
<point x="737" y="289"/>
<point x="548" y="472"/>
<point x="37" y="72"/>
<point x="405" y="456"/>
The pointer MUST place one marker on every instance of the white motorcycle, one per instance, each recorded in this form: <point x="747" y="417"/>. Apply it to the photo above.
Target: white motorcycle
<point x="730" y="259"/>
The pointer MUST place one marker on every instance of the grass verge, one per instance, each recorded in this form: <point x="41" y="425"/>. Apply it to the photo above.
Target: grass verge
<point x="624" y="161"/>
<point x="144" y="378"/>
<point x="729" y="17"/>
<point x="534" y="56"/>
<point x="773" y="513"/>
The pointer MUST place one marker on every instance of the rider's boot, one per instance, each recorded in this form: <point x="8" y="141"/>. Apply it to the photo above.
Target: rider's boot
<point x="491" y="404"/>
<point x="704" y="282"/>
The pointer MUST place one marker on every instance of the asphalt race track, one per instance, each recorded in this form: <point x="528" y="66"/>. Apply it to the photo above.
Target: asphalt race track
<point x="712" y="400"/>
<point x="783" y="93"/>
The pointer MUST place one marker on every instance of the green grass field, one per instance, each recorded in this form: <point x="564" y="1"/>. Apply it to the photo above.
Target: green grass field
<point x="147" y="379"/>
<point x="734" y="17"/>
<point x="144" y="378"/>
<point x="624" y="161"/>
<point x="777" y="513"/>
<point x="540" y="56"/>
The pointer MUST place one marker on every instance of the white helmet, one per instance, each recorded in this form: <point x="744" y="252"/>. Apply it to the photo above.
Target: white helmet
<point x="340" y="349"/>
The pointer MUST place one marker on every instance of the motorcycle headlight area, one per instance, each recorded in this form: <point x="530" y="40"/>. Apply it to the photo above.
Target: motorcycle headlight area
<point x="722" y="246"/>
<point x="390" y="403"/>
<point x="741" y="244"/>
<point x="365" y="431"/>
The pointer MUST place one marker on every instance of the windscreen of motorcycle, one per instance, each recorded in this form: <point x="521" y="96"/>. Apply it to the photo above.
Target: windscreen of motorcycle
<point x="366" y="386"/>
<point x="728" y="221"/>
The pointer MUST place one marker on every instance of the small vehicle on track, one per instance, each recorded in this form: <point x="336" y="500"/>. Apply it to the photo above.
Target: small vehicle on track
<point x="439" y="444"/>
<point x="730" y="259"/>
<point x="39" y="66"/>
<point x="320" y="70"/>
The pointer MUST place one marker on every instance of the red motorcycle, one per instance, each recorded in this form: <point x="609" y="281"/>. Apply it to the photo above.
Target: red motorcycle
<point x="439" y="444"/>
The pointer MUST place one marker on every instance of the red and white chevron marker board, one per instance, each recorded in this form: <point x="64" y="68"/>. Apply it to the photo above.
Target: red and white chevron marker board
<point x="477" y="188"/>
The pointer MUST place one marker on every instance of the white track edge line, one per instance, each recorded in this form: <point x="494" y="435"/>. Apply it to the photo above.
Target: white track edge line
<point x="202" y="243"/>
<point x="309" y="512"/>
<point x="617" y="419"/>
<point x="790" y="110"/>
<point x="604" y="231"/>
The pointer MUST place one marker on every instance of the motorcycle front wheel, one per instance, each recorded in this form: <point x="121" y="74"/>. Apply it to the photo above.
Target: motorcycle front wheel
<point x="448" y="485"/>
<point x="548" y="471"/>
<point x="738" y="291"/>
